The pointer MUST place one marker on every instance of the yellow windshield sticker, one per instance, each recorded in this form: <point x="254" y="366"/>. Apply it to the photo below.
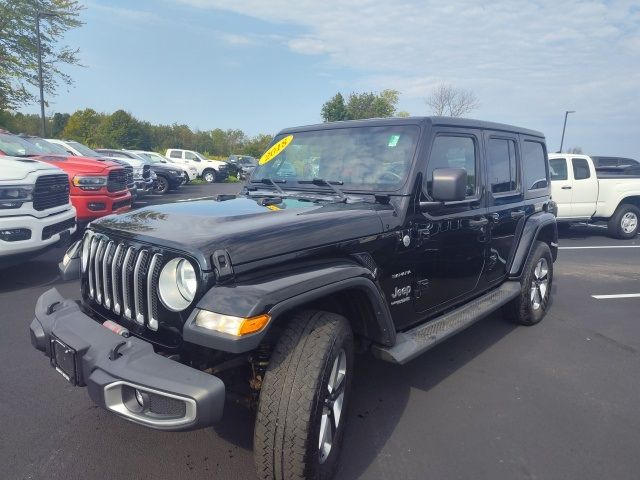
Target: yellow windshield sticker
<point x="273" y="207"/>
<point x="275" y="150"/>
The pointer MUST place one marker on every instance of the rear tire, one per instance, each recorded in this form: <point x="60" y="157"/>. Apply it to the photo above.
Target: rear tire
<point x="210" y="175"/>
<point x="531" y="305"/>
<point x="624" y="222"/>
<point x="303" y="400"/>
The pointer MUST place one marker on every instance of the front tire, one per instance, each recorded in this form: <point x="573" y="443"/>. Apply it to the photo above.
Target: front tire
<point x="624" y="222"/>
<point x="303" y="400"/>
<point x="162" y="185"/>
<point x="531" y="305"/>
<point x="209" y="176"/>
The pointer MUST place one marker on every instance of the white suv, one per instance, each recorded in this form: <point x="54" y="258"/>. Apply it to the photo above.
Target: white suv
<point x="209" y="170"/>
<point x="35" y="210"/>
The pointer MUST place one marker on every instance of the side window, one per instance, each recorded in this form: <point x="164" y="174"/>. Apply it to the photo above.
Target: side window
<point x="503" y="170"/>
<point x="175" y="154"/>
<point x="580" y="169"/>
<point x="534" y="163"/>
<point x="558" y="169"/>
<point x="191" y="156"/>
<point x="450" y="151"/>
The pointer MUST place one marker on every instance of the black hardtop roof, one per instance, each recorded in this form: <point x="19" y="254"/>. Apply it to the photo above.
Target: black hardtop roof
<point x="426" y="121"/>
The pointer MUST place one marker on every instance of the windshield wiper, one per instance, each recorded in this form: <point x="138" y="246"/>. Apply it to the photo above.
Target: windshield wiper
<point x="329" y="183"/>
<point x="272" y="182"/>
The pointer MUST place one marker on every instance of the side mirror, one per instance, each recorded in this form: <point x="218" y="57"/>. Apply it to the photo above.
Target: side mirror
<point x="449" y="184"/>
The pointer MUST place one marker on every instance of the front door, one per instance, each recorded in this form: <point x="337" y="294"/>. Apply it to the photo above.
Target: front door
<point x="561" y="187"/>
<point x="451" y="238"/>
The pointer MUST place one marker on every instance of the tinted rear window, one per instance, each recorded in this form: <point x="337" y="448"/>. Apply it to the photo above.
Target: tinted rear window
<point x="534" y="163"/>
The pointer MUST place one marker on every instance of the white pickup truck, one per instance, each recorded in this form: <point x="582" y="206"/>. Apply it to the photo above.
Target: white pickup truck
<point x="584" y="193"/>
<point x="35" y="211"/>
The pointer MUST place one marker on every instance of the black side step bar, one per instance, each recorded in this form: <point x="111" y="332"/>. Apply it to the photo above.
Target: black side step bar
<point x="418" y="340"/>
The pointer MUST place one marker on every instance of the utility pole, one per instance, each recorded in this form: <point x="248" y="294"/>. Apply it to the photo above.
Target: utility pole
<point x="564" y="127"/>
<point x="40" y="15"/>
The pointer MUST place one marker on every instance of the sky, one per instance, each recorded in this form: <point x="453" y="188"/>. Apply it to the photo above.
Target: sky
<point x="263" y="65"/>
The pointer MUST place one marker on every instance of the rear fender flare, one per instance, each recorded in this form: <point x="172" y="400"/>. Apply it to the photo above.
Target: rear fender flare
<point x="539" y="226"/>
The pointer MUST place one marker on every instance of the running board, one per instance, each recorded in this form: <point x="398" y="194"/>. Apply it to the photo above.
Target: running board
<point x="418" y="340"/>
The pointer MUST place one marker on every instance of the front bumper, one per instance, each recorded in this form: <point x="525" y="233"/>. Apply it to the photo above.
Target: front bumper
<point x="177" y="397"/>
<point x="43" y="231"/>
<point x="90" y="207"/>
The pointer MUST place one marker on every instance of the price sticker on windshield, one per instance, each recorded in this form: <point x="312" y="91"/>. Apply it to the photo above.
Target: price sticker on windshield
<point x="275" y="150"/>
<point x="393" y="140"/>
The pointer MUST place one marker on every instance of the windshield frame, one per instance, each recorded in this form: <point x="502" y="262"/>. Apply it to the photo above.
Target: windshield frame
<point x="400" y="189"/>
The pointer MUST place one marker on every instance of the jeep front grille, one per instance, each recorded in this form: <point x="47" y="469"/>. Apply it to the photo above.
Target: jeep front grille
<point x="124" y="279"/>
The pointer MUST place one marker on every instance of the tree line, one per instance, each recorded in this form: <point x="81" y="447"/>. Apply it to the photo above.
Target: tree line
<point x="120" y="129"/>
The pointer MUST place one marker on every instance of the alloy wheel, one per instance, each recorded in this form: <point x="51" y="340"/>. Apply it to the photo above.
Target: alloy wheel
<point x="539" y="284"/>
<point x="332" y="405"/>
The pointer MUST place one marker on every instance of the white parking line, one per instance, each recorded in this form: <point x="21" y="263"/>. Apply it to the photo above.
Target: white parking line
<point x="622" y="295"/>
<point x="599" y="246"/>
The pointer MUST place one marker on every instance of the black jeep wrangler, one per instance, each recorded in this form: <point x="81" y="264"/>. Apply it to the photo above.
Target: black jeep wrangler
<point x="384" y="235"/>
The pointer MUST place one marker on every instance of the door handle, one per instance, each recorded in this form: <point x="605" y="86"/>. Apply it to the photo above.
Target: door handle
<point x="479" y="223"/>
<point x="566" y="187"/>
<point x="517" y="214"/>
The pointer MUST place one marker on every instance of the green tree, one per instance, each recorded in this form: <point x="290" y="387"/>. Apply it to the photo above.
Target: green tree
<point x="18" y="48"/>
<point x="335" y="109"/>
<point x="361" y="105"/>
<point x="122" y="130"/>
<point x="57" y="124"/>
<point x="372" y="105"/>
<point x="83" y="126"/>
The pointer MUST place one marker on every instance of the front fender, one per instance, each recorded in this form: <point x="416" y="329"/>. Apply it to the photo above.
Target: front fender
<point x="539" y="226"/>
<point x="277" y="294"/>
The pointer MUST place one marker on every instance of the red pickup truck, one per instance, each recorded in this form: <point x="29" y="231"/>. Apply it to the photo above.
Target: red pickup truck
<point x="97" y="188"/>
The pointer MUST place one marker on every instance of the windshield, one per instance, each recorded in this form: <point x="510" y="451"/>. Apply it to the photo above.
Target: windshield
<point x="46" y="147"/>
<point x="361" y="158"/>
<point x="17" y="147"/>
<point x="153" y="157"/>
<point x="84" y="150"/>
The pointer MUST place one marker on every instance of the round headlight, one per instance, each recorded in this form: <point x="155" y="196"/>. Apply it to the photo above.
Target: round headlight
<point x="177" y="284"/>
<point x="86" y="247"/>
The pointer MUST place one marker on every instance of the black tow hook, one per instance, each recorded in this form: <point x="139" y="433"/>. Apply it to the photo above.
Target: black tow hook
<point x="114" y="354"/>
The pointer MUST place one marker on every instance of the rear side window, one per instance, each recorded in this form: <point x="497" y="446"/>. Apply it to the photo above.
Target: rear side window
<point x="503" y="169"/>
<point x="534" y="163"/>
<point x="175" y="154"/>
<point x="558" y="169"/>
<point x="580" y="169"/>
<point x="453" y="152"/>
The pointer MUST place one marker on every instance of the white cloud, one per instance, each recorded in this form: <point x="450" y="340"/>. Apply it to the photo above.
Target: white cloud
<point x="525" y="60"/>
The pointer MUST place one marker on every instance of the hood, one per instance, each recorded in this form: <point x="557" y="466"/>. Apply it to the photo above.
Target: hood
<point x="248" y="230"/>
<point x="158" y="167"/>
<point x="75" y="165"/>
<point x="13" y="168"/>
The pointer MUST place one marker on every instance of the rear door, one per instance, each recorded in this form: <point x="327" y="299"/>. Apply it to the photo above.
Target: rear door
<point x="505" y="202"/>
<point x="584" y="188"/>
<point x="561" y="186"/>
<point x="449" y="259"/>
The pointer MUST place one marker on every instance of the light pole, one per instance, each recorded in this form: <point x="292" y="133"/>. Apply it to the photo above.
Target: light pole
<point x="40" y="15"/>
<point x="564" y="127"/>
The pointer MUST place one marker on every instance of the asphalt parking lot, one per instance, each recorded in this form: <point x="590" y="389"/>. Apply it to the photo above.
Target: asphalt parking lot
<point x="554" y="401"/>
